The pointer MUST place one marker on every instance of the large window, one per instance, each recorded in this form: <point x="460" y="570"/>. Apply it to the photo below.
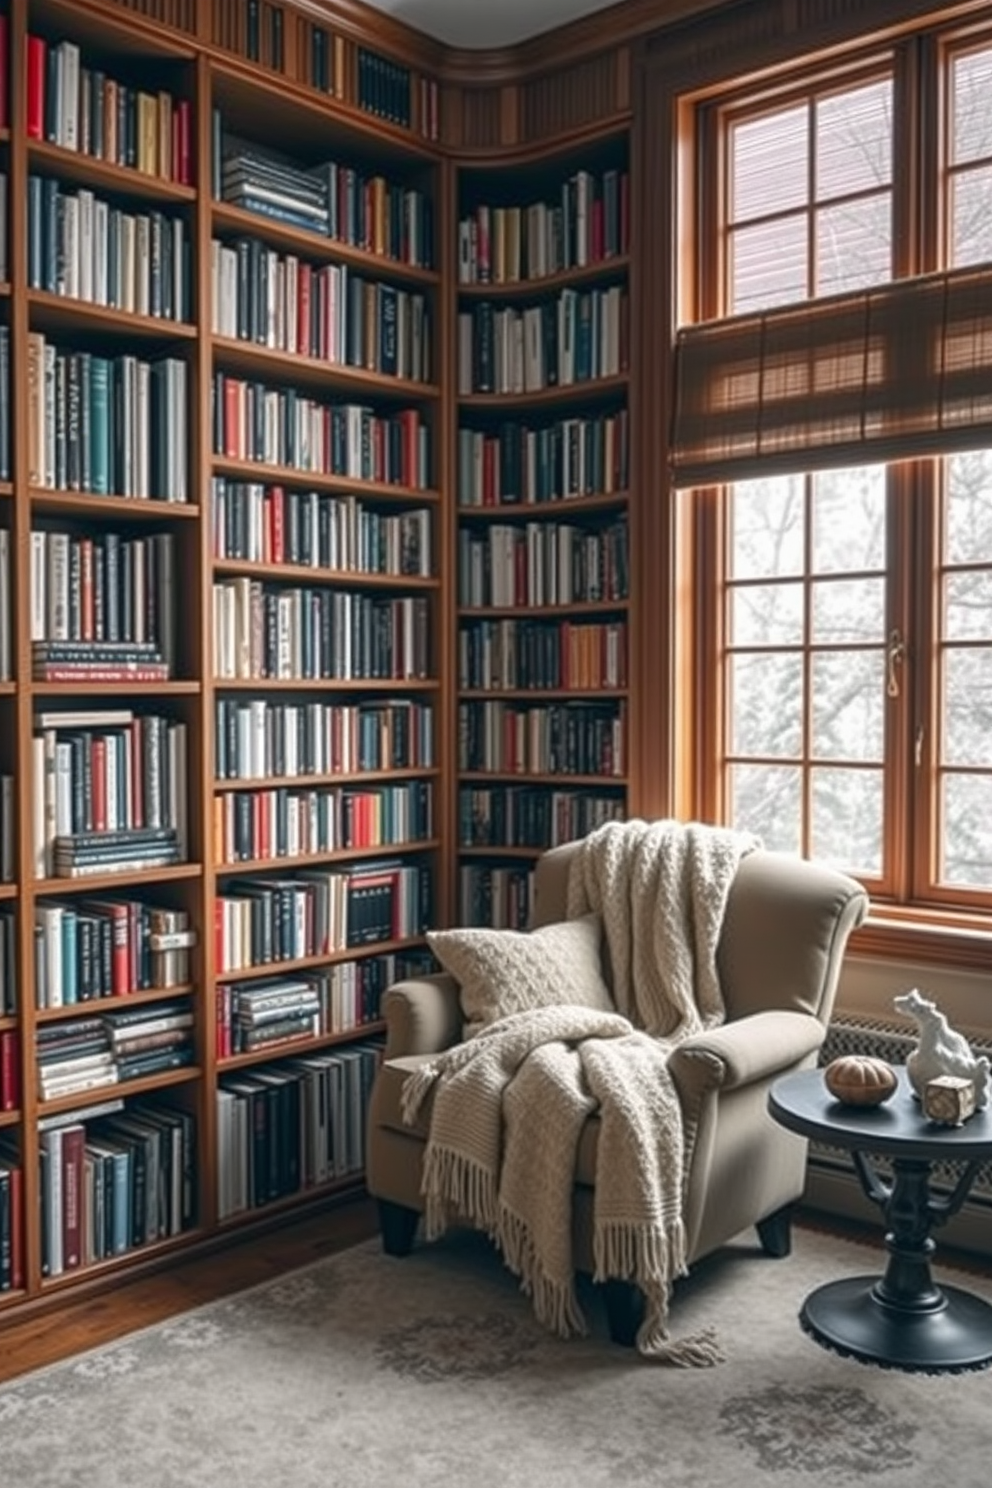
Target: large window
<point x="833" y="439"/>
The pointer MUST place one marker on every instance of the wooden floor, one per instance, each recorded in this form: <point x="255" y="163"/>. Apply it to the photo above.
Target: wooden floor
<point x="46" y="1337"/>
<point x="88" y="1322"/>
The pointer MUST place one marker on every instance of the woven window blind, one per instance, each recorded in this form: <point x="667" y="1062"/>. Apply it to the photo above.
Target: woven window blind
<point x="887" y="373"/>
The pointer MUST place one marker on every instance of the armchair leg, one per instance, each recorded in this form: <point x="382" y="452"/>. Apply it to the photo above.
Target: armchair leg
<point x="397" y="1225"/>
<point x="624" y="1311"/>
<point x="775" y="1233"/>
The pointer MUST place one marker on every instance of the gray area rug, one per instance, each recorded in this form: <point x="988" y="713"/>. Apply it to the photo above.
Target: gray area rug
<point x="366" y="1372"/>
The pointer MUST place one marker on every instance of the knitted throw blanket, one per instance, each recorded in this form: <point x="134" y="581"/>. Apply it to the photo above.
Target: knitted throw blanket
<point x="510" y="1103"/>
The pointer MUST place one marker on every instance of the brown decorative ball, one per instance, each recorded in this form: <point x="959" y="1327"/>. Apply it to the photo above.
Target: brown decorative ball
<point x="860" y="1080"/>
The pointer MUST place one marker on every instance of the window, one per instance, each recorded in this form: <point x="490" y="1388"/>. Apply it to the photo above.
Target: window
<point x="833" y="444"/>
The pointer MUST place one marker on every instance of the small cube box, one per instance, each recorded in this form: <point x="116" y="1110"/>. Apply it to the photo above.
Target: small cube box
<point x="949" y="1099"/>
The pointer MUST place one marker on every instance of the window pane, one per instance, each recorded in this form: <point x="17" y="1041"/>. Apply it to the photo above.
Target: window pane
<point x="971" y="217"/>
<point x="854" y="244"/>
<point x="848" y="610"/>
<point x="967" y="699"/>
<point x="769" y="163"/>
<point x="766" y="615"/>
<point x="768" y="264"/>
<point x="849" y="519"/>
<point x="966" y="830"/>
<point x="968" y="508"/>
<point x="968" y="606"/>
<point x="846" y="825"/>
<point x="854" y="140"/>
<point x="848" y="706"/>
<point x="765" y="799"/>
<point x="971" y="117"/>
<point x="767" y="524"/>
<point x="766" y="702"/>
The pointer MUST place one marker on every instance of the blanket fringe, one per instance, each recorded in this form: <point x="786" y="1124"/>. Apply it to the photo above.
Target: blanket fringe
<point x="452" y="1182"/>
<point x="555" y="1302"/>
<point x="647" y="1254"/>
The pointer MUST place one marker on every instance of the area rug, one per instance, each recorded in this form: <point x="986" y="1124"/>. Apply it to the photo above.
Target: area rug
<point x="364" y="1372"/>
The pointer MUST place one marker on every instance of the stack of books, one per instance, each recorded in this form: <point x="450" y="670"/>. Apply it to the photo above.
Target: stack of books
<point x="148" y="1040"/>
<point x="73" y="1058"/>
<point x="273" y="1011"/>
<point x="261" y="181"/>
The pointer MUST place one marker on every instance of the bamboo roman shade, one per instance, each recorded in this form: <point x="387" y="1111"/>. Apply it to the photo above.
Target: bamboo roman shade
<point x="898" y="370"/>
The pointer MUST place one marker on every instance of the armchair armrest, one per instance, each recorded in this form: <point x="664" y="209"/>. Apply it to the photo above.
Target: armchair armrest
<point x="423" y="1015"/>
<point x="744" y="1051"/>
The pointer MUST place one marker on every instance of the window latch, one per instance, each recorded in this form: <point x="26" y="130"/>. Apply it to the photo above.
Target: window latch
<point x="895" y="655"/>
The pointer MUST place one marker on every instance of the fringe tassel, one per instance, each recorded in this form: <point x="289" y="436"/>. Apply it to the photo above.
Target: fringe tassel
<point x="451" y="1181"/>
<point x="652" y="1258"/>
<point x="555" y="1303"/>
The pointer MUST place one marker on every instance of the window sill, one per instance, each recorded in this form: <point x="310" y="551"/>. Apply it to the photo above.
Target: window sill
<point x="933" y="937"/>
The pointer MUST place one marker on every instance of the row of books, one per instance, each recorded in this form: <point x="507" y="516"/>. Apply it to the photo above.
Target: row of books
<point x="86" y="248"/>
<point x="111" y="792"/>
<point x="531" y="816"/>
<point x="8" y="813"/>
<point x="88" y="949"/>
<point x="570" y="738"/>
<point x="543" y="563"/>
<point x="8" y="962"/>
<point x="10" y="1069"/>
<point x="81" y="108"/>
<point x="6" y="610"/>
<point x="326" y="60"/>
<point x="522" y="464"/>
<point x="262" y="921"/>
<point x="340" y="534"/>
<point x="92" y="1053"/>
<point x="112" y="1182"/>
<point x="329" y="313"/>
<point x="113" y="598"/>
<point x="287" y="1127"/>
<point x="256" y="739"/>
<point x="107" y="425"/>
<point x="578" y="336"/>
<point x="11" y="1208"/>
<point x="280" y="426"/>
<point x="517" y="654"/>
<point x="385" y="88"/>
<point x="585" y="222"/>
<point x="264" y="632"/>
<point x="378" y="215"/>
<point x="499" y="897"/>
<point x="294" y="822"/>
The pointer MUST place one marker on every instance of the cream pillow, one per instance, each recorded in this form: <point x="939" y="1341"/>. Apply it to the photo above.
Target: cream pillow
<point x="500" y="972"/>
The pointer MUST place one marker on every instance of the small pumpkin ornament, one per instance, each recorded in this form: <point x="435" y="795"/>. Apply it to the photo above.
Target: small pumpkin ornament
<point x="860" y="1080"/>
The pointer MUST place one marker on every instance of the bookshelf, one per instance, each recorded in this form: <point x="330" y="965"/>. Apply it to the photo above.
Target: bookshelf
<point x="542" y="482"/>
<point x="241" y="624"/>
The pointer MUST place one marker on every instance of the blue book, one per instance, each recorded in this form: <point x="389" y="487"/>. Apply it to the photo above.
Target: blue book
<point x="70" y="957"/>
<point x="99" y="421"/>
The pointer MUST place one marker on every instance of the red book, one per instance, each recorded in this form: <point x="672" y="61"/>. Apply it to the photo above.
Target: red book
<point x="37" y="63"/>
<point x="9" y="1071"/>
<point x="73" y="1144"/>
<point x="120" y="958"/>
<point x="304" y="287"/>
<point x="98" y="775"/>
<point x="4" y="61"/>
<point x="219" y="946"/>
<point x="181" y="164"/>
<point x="233" y="447"/>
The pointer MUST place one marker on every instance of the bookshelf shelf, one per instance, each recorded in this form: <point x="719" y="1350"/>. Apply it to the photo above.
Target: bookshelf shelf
<point x="500" y="852"/>
<point x="592" y="390"/>
<point x="284" y="367"/>
<point x="313" y="480"/>
<point x="316" y="247"/>
<point x="529" y="694"/>
<point x="326" y="684"/>
<point x="126" y="879"/>
<point x="307" y="573"/>
<point x="535" y="511"/>
<point x="6" y="490"/>
<point x="149" y="1250"/>
<point x="551" y="612"/>
<point x="86" y="170"/>
<point x="305" y="782"/>
<point x="8" y="890"/>
<point x="101" y="1005"/>
<point x="562" y="779"/>
<point x="336" y="1187"/>
<point x="323" y="859"/>
<point x="285" y="1048"/>
<point x="9" y="1118"/>
<point x="64" y="315"/>
<point x="115" y="689"/>
<point x="111" y="508"/>
<point x="328" y="958"/>
<point x="603" y="269"/>
<point x="8" y="689"/>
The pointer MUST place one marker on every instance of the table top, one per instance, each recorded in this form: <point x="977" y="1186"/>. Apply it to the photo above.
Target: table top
<point x="802" y="1103"/>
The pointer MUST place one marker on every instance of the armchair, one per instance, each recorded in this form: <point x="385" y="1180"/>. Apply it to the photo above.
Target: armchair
<point x="783" y="936"/>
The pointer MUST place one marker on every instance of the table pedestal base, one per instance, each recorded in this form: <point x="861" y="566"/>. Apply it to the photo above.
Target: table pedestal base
<point x="948" y="1330"/>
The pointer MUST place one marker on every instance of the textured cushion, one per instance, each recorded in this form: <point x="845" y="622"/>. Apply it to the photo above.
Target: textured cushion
<point x="500" y="972"/>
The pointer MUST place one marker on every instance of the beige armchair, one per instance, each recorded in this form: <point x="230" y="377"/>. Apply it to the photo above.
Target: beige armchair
<point x="783" y="936"/>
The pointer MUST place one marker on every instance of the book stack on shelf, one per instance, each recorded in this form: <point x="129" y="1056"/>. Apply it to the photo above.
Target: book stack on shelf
<point x="542" y="547"/>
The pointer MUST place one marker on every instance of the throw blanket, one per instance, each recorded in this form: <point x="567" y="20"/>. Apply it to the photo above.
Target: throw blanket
<point x="511" y="1102"/>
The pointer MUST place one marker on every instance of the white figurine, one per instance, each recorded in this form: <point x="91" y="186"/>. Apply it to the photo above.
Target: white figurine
<point x="941" y="1051"/>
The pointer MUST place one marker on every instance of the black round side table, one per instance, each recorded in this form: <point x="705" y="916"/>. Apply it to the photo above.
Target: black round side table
<point x="903" y="1319"/>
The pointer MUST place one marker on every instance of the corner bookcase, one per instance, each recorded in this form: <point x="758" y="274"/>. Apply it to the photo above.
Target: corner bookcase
<point x="542" y="481"/>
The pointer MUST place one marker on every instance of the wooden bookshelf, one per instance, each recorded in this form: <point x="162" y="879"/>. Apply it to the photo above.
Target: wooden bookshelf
<point x="423" y="134"/>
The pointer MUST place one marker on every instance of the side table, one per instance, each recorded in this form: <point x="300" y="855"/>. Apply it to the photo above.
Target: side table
<point x="902" y="1319"/>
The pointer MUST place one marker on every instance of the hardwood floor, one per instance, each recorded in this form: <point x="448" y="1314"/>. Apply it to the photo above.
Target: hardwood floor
<point x="84" y="1323"/>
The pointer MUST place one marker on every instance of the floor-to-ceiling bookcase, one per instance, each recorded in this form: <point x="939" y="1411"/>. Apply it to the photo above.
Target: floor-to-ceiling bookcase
<point x="259" y="725"/>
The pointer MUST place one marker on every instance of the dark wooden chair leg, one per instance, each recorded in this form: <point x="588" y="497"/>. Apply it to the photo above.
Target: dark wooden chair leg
<point x="397" y="1225"/>
<point x="624" y="1311"/>
<point x="775" y="1233"/>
